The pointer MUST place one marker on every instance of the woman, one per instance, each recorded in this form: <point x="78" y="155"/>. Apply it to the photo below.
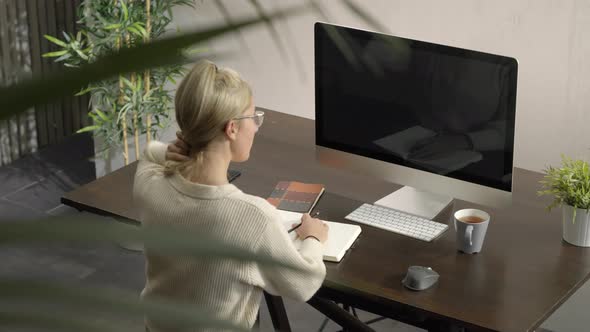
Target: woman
<point x="188" y="188"/>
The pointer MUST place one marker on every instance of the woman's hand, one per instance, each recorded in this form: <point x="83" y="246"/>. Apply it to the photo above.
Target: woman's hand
<point x="179" y="150"/>
<point x="312" y="227"/>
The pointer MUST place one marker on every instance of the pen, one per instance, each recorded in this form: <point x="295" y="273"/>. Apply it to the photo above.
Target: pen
<point x="317" y="213"/>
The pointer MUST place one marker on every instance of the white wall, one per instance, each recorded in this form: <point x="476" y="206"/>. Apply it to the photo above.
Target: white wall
<point x="548" y="37"/>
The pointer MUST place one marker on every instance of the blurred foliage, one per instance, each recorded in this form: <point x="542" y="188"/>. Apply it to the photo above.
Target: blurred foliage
<point x="94" y="64"/>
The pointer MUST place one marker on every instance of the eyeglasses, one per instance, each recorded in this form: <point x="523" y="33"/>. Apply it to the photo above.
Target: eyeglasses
<point x="258" y="118"/>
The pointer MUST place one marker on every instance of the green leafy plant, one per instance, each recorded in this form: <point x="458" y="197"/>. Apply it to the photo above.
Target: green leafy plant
<point x="137" y="103"/>
<point x="128" y="105"/>
<point x="568" y="184"/>
<point x="87" y="300"/>
<point x="16" y="99"/>
<point x="82" y="74"/>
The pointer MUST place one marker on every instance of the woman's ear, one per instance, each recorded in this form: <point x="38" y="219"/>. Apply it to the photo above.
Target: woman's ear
<point x="231" y="130"/>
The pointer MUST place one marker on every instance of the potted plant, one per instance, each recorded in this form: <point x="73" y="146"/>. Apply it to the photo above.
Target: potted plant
<point x="83" y="300"/>
<point x="570" y="187"/>
<point x="131" y="105"/>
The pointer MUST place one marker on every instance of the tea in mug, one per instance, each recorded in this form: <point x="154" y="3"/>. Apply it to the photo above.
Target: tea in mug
<point x="472" y="219"/>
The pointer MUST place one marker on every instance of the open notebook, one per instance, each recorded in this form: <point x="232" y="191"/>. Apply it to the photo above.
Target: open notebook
<point x="340" y="237"/>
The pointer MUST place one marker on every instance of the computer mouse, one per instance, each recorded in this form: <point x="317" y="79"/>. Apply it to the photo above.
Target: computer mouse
<point x="420" y="277"/>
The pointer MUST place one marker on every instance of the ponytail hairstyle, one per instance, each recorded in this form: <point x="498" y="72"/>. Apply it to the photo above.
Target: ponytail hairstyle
<point x="206" y="100"/>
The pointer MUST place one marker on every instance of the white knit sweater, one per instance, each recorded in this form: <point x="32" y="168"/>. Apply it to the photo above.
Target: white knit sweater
<point x="228" y="289"/>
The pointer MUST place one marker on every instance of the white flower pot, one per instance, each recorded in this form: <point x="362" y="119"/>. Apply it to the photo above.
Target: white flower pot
<point x="576" y="230"/>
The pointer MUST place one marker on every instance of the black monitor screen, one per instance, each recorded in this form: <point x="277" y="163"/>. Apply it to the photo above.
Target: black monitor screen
<point x="436" y="108"/>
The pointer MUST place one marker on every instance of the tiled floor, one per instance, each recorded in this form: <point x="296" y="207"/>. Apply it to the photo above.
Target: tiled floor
<point x="31" y="188"/>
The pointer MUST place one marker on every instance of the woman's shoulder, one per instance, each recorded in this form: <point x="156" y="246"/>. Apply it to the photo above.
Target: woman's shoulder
<point x="256" y="203"/>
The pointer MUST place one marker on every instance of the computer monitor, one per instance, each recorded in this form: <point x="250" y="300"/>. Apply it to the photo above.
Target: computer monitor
<point x="438" y="119"/>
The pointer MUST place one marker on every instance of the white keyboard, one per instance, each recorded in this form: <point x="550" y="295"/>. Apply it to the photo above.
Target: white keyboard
<point x="397" y="222"/>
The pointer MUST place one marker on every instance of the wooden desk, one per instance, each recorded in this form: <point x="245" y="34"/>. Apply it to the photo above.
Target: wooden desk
<point x="524" y="272"/>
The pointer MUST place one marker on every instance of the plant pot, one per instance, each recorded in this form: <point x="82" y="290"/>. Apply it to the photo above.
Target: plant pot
<point x="576" y="230"/>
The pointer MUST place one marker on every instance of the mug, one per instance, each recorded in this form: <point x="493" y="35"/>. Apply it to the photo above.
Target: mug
<point x="471" y="226"/>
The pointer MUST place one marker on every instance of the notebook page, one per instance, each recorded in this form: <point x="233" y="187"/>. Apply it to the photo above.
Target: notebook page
<point x="340" y="236"/>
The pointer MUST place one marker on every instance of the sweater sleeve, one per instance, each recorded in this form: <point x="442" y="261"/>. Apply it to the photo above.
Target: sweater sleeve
<point x="151" y="162"/>
<point x="152" y="159"/>
<point x="298" y="284"/>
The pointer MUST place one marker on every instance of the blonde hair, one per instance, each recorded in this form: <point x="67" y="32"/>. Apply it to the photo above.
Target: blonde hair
<point x="206" y="100"/>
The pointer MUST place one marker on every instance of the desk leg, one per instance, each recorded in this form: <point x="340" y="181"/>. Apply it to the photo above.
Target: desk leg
<point x="277" y="311"/>
<point x="338" y="315"/>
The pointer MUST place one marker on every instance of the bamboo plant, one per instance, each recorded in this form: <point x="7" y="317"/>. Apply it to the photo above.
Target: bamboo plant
<point x="128" y="105"/>
<point x="136" y="103"/>
<point x="86" y="300"/>
<point x="93" y="73"/>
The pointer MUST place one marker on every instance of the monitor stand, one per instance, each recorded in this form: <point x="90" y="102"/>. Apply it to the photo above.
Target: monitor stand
<point x="417" y="202"/>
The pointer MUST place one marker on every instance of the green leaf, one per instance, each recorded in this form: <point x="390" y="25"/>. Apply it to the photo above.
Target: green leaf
<point x="54" y="54"/>
<point x="142" y="30"/>
<point x="125" y="10"/>
<point x="134" y="30"/>
<point x="101" y="114"/>
<point x="27" y="93"/>
<point x="53" y="322"/>
<point x="64" y="57"/>
<point x="162" y="240"/>
<point x="85" y="91"/>
<point x="568" y="184"/>
<point x="66" y="36"/>
<point x="123" y="112"/>
<point x="91" y="299"/>
<point x="82" y="55"/>
<point x="93" y="116"/>
<point x="127" y="82"/>
<point x="55" y="41"/>
<point x="88" y="128"/>
<point x="113" y="26"/>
